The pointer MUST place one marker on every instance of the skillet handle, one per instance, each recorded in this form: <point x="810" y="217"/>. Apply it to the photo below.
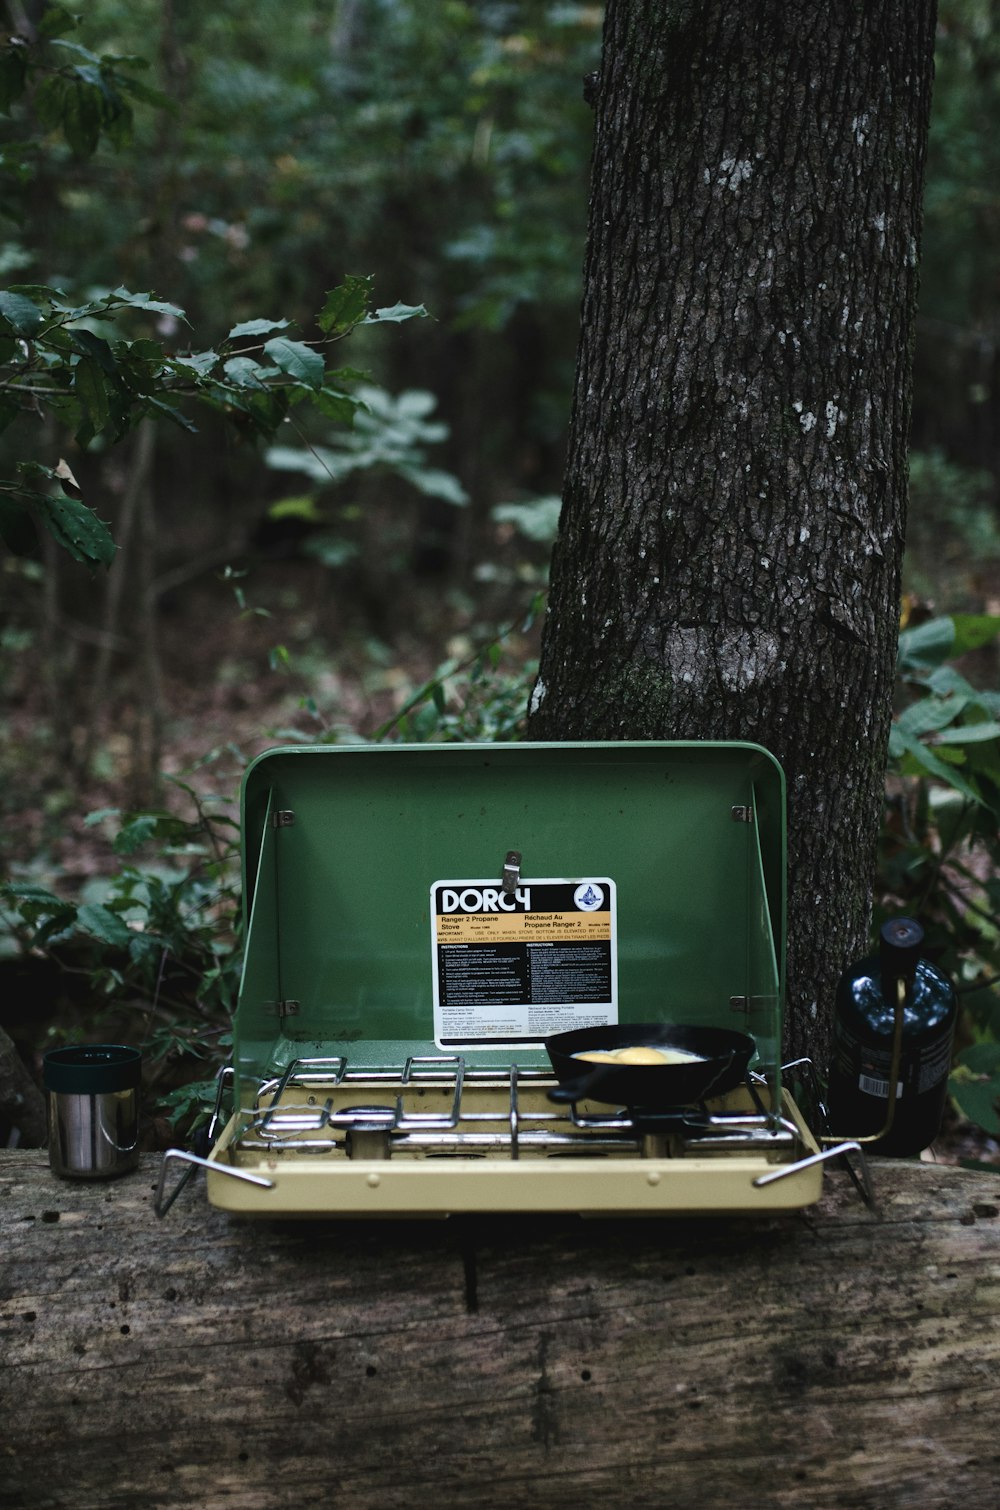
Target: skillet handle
<point x="578" y="1090"/>
<point x="565" y="1095"/>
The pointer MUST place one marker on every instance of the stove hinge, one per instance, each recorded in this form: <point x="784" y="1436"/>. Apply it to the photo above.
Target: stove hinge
<point x="742" y="814"/>
<point x="286" y="1008"/>
<point x="283" y="818"/>
<point x="750" y="1003"/>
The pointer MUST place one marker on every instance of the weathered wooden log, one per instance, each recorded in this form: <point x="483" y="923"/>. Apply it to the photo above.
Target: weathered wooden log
<point x="835" y="1358"/>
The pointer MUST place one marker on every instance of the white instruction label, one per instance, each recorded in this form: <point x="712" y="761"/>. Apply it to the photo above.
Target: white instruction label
<point x="512" y="968"/>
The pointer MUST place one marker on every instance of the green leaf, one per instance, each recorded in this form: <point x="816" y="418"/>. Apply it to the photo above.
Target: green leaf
<point x="198" y="362"/>
<point x="537" y="519"/>
<point x="21" y="313"/>
<point x="902" y="743"/>
<point x="77" y="529"/>
<point x="103" y="924"/>
<point x="144" y="354"/>
<point x="320" y="463"/>
<point x="973" y="631"/>
<point x="979" y="1100"/>
<point x="142" y="91"/>
<point x="434" y="483"/>
<point x="43" y="291"/>
<point x="146" y="302"/>
<point x="303" y="507"/>
<point x="56" y="21"/>
<point x="136" y="833"/>
<point x="396" y="313"/>
<point x="35" y="896"/>
<point x="96" y="347"/>
<point x="931" y="714"/>
<point x="347" y="375"/>
<point x="340" y="407"/>
<point x="81" y="311"/>
<point x="297" y="359"/>
<point x="98" y="816"/>
<point x="331" y="551"/>
<point x="195" y="1097"/>
<point x="244" y="372"/>
<point x="257" y="328"/>
<point x="974" y="733"/>
<point x="346" y="306"/>
<point x="34" y="469"/>
<point x="49" y="100"/>
<point x="947" y="682"/>
<point x="981" y="1058"/>
<point x="92" y="388"/>
<point x="75" y="47"/>
<point x="81" y="117"/>
<point x="172" y="413"/>
<point x="926" y="645"/>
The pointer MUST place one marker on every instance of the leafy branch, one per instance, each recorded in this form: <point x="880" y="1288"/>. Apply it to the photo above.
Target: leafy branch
<point x="79" y="364"/>
<point x="100" y="384"/>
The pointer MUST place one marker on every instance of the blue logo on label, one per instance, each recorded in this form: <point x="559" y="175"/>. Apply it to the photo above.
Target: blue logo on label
<point x="588" y="896"/>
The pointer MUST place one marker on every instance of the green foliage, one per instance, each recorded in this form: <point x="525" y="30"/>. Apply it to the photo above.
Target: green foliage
<point x="955" y="373"/>
<point x="975" y="1085"/>
<point x="79" y="362"/>
<point x="441" y="147"/>
<point x="390" y="436"/>
<point x="537" y="519"/>
<point x="190" y="1106"/>
<point x="166" y="935"/>
<point x="961" y="250"/>
<point x="101" y="385"/>
<point x="950" y="730"/>
<point x="952" y="532"/>
<point x="389" y="433"/>
<point x="164" y="940"/>
<point x="941" y="839"/>
<point x="481" y="699"/>
<point x="77" y="93"/>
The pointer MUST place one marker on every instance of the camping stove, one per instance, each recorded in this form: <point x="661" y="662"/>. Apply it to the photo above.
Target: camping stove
<point x="404" y="967"/>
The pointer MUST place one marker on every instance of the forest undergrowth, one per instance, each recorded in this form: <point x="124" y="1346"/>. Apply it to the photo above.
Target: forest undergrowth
<point x="227" y="697"/>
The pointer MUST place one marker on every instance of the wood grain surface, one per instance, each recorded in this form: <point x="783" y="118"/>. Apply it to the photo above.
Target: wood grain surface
<point x="829" y="1359"/>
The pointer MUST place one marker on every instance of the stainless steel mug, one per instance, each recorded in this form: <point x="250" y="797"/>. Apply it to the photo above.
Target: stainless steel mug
<point x="93" y="1103"/>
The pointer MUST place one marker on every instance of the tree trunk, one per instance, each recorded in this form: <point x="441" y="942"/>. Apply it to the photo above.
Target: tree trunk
<point x="728" y="563"/>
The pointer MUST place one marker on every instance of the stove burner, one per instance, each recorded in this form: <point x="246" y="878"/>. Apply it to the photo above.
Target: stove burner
<point x="368" y="1133"/>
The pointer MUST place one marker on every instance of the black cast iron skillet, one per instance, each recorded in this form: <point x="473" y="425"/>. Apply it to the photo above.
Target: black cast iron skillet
<point x="724" y="1057"/>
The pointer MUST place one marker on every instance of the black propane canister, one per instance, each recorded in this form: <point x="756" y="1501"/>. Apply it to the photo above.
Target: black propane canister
<point x="864" y="1021"/>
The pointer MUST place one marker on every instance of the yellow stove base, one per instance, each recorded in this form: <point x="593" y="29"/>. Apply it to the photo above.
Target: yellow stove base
<point x="303" y="1184"/>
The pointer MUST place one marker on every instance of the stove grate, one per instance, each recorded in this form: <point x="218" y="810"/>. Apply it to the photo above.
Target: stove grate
<point x="314" y="1107"/>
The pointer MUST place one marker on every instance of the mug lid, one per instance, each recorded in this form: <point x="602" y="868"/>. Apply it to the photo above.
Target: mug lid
<point x="92" y="1069"/>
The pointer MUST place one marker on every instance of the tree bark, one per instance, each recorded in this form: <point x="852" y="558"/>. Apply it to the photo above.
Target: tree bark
<point x="728" y="564"/>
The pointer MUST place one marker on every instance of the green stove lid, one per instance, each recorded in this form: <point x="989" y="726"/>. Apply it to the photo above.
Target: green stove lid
<point x="353" y="854"/>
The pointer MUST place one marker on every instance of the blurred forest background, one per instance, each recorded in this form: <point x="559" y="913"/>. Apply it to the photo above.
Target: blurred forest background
<point x="376" y="570"/>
